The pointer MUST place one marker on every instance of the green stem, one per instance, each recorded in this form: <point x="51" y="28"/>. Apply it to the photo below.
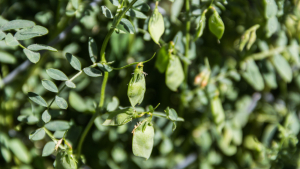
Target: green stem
<point x="91" y="122"/>
<point x="265" y="54"/>
<point x="52" y="137"/>
<point x="134" y="63"/>
<point x="105" y="78"/>
<point x="115" y="24"/>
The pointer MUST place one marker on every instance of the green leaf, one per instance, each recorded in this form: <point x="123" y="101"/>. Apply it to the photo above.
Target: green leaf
<point x="106" y="12"/>
<point x="166" y="146"/>
<point x="216" y="25"/>
<point x="31" y="119"/>
<point x="104" y="67"/>
<point x="174" y="73"/>
<point x="77" y="102"/>
<point x="217" y="110"/>
<point x="75" y="63"/>
<point x="10" y="40"/>
<point x="93" y="49"/>
<point x="294" y="51"/>
<point x="92" y="72"/>
<point x="48" y="149"/>
<point x="156" y="25"/>
<point x="2" y="35"/>
<point x="162" y="60"/>
<point x="270" y="8"/>
<point x="38" y="47"/>
<point x="37" y="99"/>
<point x="115" y="2"/>
<point x="268" y="73"/>
<point x="126" y="26"/>
<point x="70" y="12"/>
<point x="38" y="134"/>
<point x="272" y="26"/>
<point x="142" y="142"/>
<point x="136" y="14"/>
<point x="70" y="84"/>
<point x="59" y="134"/>
<point x="31" y="32"/>
<point x="7" y="58"/>
<point x="34" y="57"/>
<point x="113" y="105"/>
<point x="141" y="5"/>
<point x="172" y="114"/>
<point x="57" y="74"/>
<point x="119" y="117"/>
<point x="57" y="125"/>
<point x="253" y="76"/>
<point x="49" y="85"/>
<point x="75" y="4"/>
<point x="61" y="102"/>
<point x="20" y="151"/>
<point x="6" y="154"/>
<point x="46" y="117"/>
<point x="283" y="68"/>
<point x="17" y="24"/>
<point x="200" y="26"/>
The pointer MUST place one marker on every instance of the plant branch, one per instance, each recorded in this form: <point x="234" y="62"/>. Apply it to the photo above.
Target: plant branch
<point x="105" y="78"/>
<point x="265" y="54"/>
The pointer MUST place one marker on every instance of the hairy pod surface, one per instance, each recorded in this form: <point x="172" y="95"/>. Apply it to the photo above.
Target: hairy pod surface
<point x="137" y="86"/>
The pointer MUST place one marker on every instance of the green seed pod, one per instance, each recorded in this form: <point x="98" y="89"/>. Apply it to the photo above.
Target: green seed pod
<point x="174" y="73"/>
<point x="162" y="59"/>
<point x="216" y="25"/>
<point x="65" y="160"/>
<point x="251" y="40"/>
<point x="156" y="25"/>
<point x="120" y="117"/>
<point x="142" y="141"/>
<point x="201" y="26"/>
<point x="137" y="86"/>
<point x="217" y="110"/>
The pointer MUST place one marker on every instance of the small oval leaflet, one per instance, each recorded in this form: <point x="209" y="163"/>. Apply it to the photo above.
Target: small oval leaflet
<point x="174" y="73"/>
<point x="216" y="25"/>
<point x="142" y="141"/>
<point x="57" y="74"/>
<point x="34" y="57"/>
<point x="6" y="57"/>
<point x="106" y="12"/>
<point x="48" y="149"/>
<point x="38" y="134"/>
<point x="2" y="35"/>
<point x="46" y="117"/>
<point x="217" y="110"/>
<point x="156" y="25"/>
<point x="10" y="40"/>
<point x="20" y="151"/>
<point x="49" y="85"/>
<point x="17" y="24"/>
<point x="70" y="84"/>
<point x="31" y="32"/>
<point x="137" y="86"/>
<point x="125" y="26"/>
<point x="92" y="72"/>
<point x="37" y="47"/>
<point x="201" y="26"/>
<point x="57" y="125"/>
<point x="93" y="50"/>
<point x="37" y="99"/>
<point x="75" y="63"/>
<point x="61" y="102"/>
<point x="137" y="14"/>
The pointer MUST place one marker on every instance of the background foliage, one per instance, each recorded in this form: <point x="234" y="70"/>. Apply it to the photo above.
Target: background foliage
<point x="239" y="99"/>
